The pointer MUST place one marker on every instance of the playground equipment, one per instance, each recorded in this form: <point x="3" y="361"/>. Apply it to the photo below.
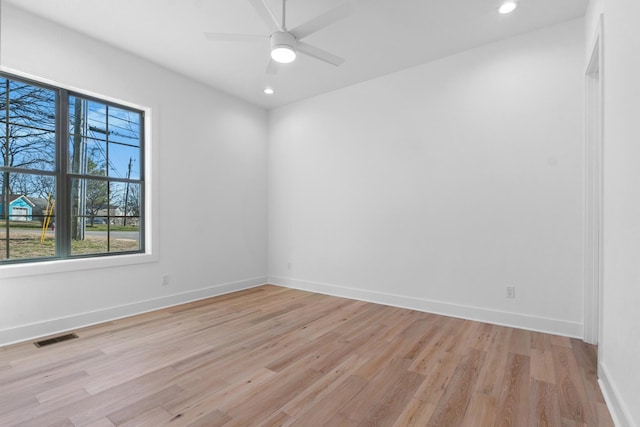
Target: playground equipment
<point x="48" y="214"/>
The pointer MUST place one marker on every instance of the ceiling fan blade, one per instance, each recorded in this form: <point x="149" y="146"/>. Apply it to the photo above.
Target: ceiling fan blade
<point x="322" y="21"/>
<point x="266" y="14"/>
<point x="224" y="37"/>
<point x="272" y="67"/>
<point x="320" y="54"/>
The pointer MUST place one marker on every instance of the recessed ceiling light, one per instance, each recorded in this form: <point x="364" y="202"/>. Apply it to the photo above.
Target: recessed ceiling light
<point x="507" y="7"/>
<point x="268" y="91"/>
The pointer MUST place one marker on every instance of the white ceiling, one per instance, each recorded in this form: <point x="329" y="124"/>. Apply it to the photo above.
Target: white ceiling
<point x="379" y="37"/>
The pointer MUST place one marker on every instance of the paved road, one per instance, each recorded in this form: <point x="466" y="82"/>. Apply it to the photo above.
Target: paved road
<point x="131" y="235"/>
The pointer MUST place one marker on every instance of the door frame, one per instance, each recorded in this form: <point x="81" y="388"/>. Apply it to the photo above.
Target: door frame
<point x="594" y="179"/>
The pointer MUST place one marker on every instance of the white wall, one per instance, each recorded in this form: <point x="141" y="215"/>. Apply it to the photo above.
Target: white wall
<point x="619" y="369"/>
<point x="436" y="187"/>
<point x="209" y="159"/>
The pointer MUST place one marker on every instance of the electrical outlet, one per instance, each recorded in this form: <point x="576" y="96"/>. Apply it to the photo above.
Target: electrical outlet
<point x="165" y="280"/>
<point x="511" y="291"/>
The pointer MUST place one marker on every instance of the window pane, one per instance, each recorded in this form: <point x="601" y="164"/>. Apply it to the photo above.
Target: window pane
<point x="28" y="224"/>
<point x="123" y="161"/>
<point x="91" y="241"/>
<point x="89" y="198"/>
<point x="29" y="106"/>
<point x="125" y="209"/>
<point x="27" y="126"/>
<point x="98" y="221"/>
<point x="124" y="126"/>
<point x="124" y="143"/>
<point x="29" y="148"/>
<point x="87" y="118"/>
<point x="4" y="244"/>
<point x="87" y="156"/>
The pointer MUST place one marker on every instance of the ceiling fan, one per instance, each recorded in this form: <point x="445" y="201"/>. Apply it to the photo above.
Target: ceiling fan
<point x="285" y="43"/>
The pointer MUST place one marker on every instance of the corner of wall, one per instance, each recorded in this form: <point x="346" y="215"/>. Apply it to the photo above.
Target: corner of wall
<point x="478" y="314"/>
<point x="31" y="331"/>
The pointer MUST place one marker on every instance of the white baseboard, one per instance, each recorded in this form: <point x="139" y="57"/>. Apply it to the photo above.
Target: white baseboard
<point x="76" y="321"/>
<point x="618" y="410"/>
<point x="521" y="321"/>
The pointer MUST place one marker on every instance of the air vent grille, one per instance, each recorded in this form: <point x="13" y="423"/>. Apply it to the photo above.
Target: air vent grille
<point x="55" y="340"/>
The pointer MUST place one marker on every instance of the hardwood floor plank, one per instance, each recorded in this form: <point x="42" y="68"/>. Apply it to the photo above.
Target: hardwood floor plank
<point x="514" y="400"/>
<point x="601" y="414"/>
<point x="102" y="422"/>
<point x="558" y="341"/>
<point x="520" y="342"/>
<point x="150" y="403"/>
<point x="542" y="366"/>
<point x="438" y="377"/>
<point x="283" y="387"/>
<point x="465" y="338"/>
<point x="481" y="412"/>
<point x="484" y="337"/>
<point x="278" y="419"/>
<point x="367" y="401"/>
<point x="495" y="365"/>
<point x="540" y="341"/>
<point x="98" y="405"/>
<point x="327" y="384"/>
<point x="423" y="363"/>
<point x="339" y="421"/>
<point x="544" y="410"/>
<point x="63" y="423"/>
<point x="327" y="409"/>
<point x="451" y="408"/>
<point x="190" y="408"/>
<point x="572" y="396"/>
<point x="396" y="397"/>
<point x="415" y="414"/>
<point x="152" y="418"/>
<point x="282" y="357"/>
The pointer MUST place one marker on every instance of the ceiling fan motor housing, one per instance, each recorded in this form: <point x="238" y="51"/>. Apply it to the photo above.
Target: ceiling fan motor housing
<point x="281" y="39"/>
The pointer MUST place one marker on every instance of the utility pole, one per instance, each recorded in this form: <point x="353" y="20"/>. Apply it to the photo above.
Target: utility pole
<point x="77" y="225"/>
<point x="5" y="175"/>
<point x="126" y="193"/>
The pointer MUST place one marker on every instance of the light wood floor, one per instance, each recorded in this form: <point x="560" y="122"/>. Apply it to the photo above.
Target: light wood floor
<point x="273" y="356"/>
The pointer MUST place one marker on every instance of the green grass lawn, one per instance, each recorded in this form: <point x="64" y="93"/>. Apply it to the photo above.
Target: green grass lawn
<point x="95" y="227"/>
<point x="21" y="224"/>
<point x="112" y="227"/>
<point x="29" y="246"/>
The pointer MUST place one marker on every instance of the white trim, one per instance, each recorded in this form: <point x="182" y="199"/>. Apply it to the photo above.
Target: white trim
<point x="152" y="211"/>
<point x="593" y="178"/>
<point x="516" y="320"/>
<point x="66" y="265"/>
<point x="619" y="412"/>
<point x="76" y="321"/>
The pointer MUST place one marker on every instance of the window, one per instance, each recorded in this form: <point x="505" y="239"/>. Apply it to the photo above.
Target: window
<point x="71" y="174"/>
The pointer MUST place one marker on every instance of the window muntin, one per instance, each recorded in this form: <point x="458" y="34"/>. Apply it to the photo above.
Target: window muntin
<point x="79" y="184"/>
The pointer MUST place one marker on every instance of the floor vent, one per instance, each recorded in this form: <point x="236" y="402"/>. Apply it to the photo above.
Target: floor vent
<point x="55" y="340"/>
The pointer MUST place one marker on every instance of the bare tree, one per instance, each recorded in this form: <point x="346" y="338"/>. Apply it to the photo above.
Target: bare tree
<point x="96" y="193"/>
<point x="27" y="126"/>
<point x="27" y="139"/>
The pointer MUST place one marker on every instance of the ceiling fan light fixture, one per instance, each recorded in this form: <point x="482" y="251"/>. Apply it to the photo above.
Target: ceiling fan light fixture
<point x="283" y="54"/>
<point x="283" y="47"/>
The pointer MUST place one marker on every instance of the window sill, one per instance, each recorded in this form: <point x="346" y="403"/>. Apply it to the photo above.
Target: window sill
<point x="71" y="265"/>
